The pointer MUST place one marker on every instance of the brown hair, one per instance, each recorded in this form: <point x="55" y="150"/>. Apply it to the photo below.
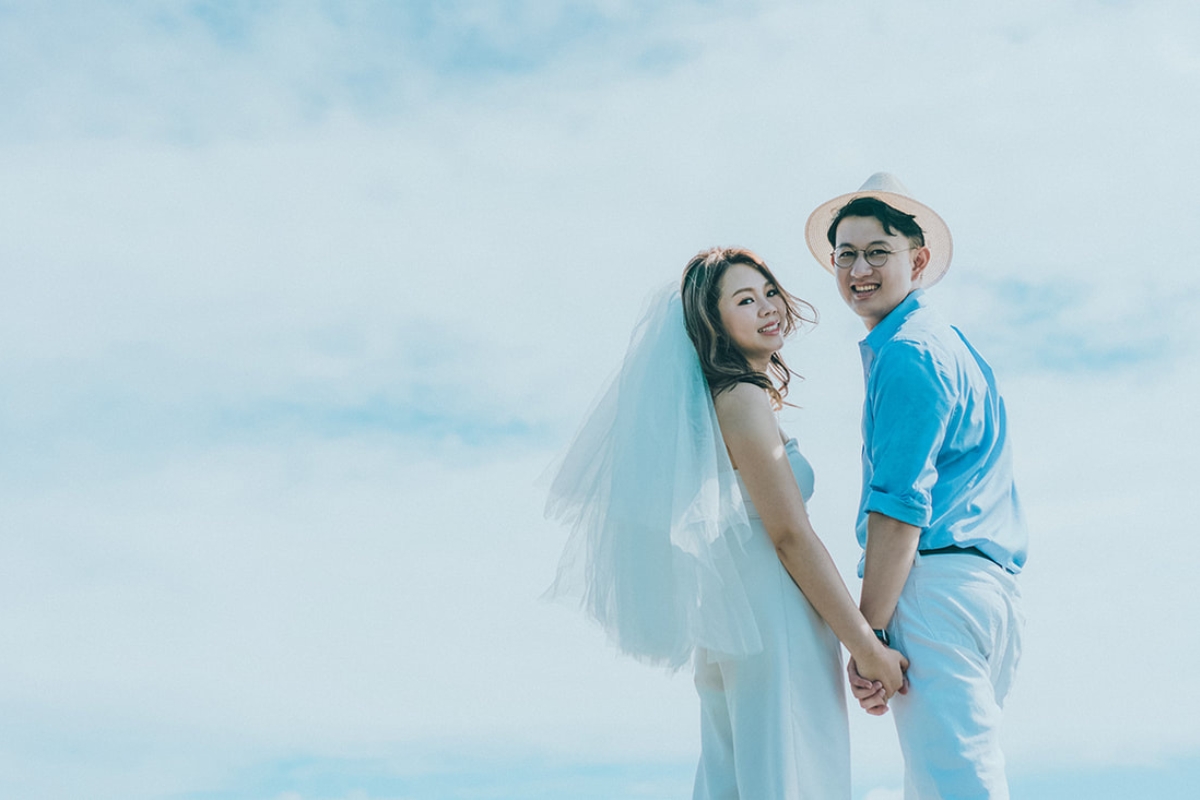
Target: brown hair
<point x="723" y="363"/>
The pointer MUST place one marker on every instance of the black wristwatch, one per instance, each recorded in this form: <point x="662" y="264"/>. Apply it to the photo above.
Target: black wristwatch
<point x="882" y="636"/>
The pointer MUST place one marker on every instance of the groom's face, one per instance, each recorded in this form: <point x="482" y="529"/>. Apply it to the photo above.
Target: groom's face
<point x="873" y="291"/>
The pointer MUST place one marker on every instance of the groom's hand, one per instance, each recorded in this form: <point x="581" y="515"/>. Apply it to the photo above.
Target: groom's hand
<point x="870" y="694"/>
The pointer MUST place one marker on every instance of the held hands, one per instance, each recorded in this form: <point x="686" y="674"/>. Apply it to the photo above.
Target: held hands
<point x="889" y="667"/>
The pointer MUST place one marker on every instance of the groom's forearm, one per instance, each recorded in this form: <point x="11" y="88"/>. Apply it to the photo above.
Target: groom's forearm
<point x="891" y="546"/>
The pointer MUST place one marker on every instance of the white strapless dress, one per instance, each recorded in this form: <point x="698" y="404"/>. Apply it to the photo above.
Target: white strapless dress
<point x="774" y="725"/>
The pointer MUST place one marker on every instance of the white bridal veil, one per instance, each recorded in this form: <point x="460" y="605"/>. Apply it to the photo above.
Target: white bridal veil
<point x="654" y="506"/>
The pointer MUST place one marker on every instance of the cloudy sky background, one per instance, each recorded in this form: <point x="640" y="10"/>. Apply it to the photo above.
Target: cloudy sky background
<point x="300" y="298"/>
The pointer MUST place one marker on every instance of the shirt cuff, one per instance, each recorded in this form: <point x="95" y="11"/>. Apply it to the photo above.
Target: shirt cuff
<point x="909" y="511"/>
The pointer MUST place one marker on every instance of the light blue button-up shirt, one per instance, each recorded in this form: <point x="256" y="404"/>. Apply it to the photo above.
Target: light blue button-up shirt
<point x="936" y="453"/>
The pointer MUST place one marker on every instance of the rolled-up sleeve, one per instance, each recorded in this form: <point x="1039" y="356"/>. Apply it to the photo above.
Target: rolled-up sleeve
<point x="909" y="399"/>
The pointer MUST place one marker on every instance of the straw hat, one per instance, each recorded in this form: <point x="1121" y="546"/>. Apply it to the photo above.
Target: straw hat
<point x="888" y="188"/>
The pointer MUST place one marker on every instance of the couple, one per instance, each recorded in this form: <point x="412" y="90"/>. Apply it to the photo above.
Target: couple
<point x="691" y="541"/>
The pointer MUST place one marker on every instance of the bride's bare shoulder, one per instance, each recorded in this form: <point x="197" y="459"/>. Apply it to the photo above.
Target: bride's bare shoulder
<point x="744" y="405"/>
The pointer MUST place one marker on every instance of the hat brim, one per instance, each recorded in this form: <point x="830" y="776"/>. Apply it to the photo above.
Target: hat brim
<point x="937" y="233"/>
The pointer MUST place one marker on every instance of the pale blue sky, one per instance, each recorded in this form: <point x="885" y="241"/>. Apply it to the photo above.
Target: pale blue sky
<point x="300" y="299"/>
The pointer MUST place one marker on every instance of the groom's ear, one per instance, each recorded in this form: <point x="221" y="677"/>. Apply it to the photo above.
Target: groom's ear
<point x="920" y="260"/>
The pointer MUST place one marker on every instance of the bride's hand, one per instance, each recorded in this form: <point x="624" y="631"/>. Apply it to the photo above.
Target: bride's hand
<point x="884" y="666"/>
<point x="869" y="694"/>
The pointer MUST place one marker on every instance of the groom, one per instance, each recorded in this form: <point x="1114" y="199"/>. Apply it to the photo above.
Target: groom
<point x="939" y="520"/>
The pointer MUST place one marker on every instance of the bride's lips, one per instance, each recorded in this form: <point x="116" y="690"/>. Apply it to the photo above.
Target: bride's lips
<point x="770" y="330"/>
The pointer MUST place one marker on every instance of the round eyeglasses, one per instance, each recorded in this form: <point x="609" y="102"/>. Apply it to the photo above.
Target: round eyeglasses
<point x="875" y="256"/>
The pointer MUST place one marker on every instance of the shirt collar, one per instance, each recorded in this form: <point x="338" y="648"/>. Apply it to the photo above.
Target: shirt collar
<point x="888" y="326"/>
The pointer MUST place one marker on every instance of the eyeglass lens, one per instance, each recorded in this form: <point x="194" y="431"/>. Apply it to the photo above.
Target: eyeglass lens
<point x="875" y="256"/>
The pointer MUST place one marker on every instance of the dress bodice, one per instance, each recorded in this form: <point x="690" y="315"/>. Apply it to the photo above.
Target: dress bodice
<point x="800" y="468"/>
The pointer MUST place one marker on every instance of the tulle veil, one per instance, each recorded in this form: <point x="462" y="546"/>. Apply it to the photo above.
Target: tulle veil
<point x="654" y="507"/>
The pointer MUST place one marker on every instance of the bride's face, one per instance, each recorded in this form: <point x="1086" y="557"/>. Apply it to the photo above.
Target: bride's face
<point x="752" y="313"/>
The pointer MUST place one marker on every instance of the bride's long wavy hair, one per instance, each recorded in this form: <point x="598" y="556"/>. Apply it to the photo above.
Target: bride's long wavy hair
<point x="723" y="363"/>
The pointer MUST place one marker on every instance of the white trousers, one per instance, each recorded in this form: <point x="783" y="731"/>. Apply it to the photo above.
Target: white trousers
<point x="959" y="621"/>
<point x="774" y="726"/>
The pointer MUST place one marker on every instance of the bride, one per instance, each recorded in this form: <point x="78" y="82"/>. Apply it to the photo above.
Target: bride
<point x="691" y="541"/>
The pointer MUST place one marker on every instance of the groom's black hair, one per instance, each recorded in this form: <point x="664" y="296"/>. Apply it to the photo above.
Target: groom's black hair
<point x="890" y="218"/>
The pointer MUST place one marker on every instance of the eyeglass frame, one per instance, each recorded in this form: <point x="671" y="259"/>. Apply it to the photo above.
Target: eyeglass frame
<point x="863" y="253"/>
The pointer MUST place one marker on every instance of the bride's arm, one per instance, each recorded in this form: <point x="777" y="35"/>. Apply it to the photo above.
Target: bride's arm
<point x="752" y="437"/>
